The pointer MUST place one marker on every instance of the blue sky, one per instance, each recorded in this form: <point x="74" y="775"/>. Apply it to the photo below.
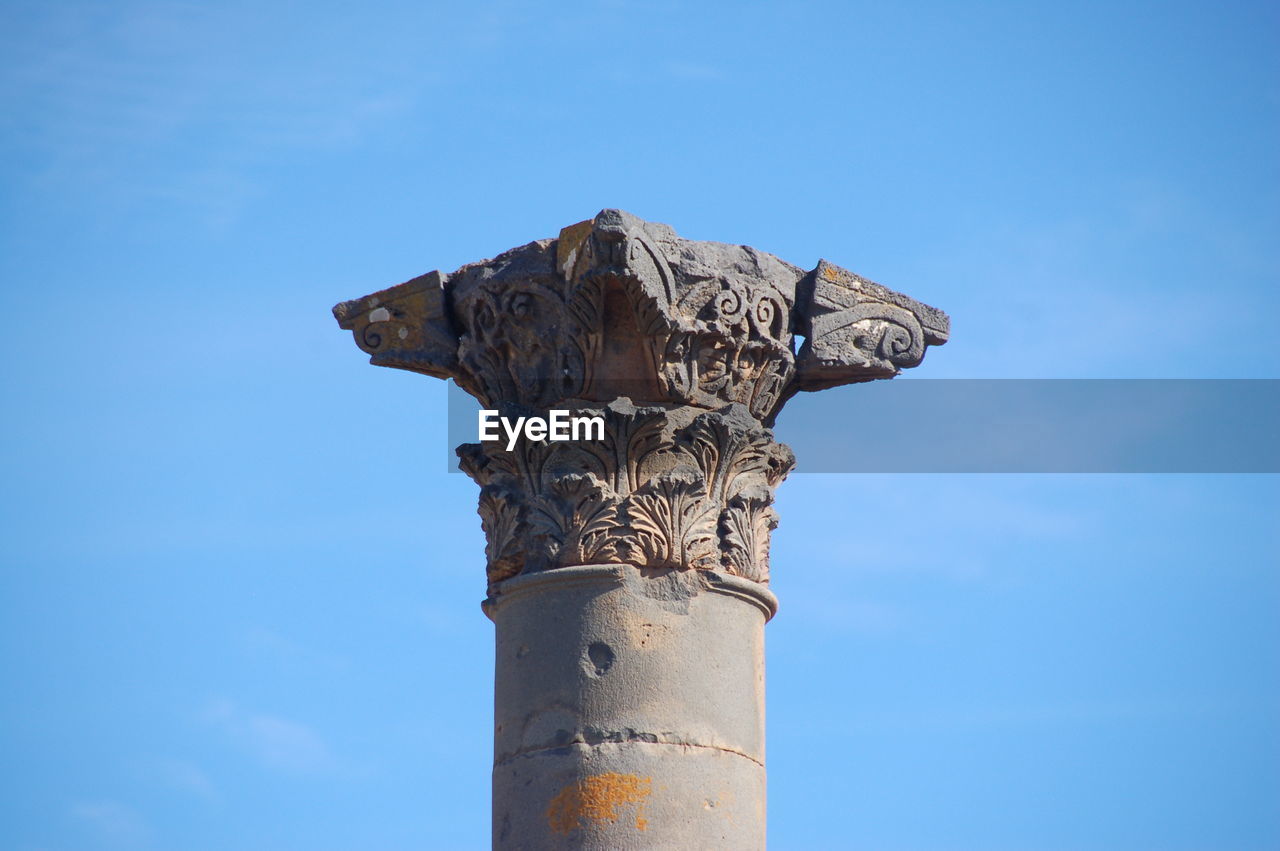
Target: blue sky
<point x="239" y="600"/>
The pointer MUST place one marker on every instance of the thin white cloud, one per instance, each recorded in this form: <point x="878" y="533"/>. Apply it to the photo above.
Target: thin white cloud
<point x="186" y="103"/>
<point x="1099" y="294"/>
<point x="288" y="745"/>
<point x="185" y="777"/>
<point x="263" y="642"/>
<point x="278" y="743"/>
<point x="112" y="822"/>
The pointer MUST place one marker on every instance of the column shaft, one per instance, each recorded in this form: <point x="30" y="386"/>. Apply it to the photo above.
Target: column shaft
<point x="629" y="709"/>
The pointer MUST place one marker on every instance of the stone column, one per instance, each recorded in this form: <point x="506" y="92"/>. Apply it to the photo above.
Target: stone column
<point x="628" y="568"/>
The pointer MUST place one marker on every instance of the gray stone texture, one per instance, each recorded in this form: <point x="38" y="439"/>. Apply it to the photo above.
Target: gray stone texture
<point x="622" y="311"/>
<point x="654" y="683"/>
<point x="627" y="576"/>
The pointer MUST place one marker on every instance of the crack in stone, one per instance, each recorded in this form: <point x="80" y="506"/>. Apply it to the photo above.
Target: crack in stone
<point x="619" y="738"/>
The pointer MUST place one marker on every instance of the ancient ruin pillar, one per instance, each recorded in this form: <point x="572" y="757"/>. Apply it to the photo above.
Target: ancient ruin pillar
<point x="628" y="565"/>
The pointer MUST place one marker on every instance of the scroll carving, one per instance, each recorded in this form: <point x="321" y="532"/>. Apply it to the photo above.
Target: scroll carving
<point x="687" y="351"/>
<point x="857" y="330"/>
<point x="406" y="326"/>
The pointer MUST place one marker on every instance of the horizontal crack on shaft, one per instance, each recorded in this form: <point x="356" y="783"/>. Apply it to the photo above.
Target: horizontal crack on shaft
<point x="620" y="738"/>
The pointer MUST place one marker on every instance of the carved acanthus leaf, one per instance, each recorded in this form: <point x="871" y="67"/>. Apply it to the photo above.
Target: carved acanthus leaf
<point x="501" y="511"/>
<point x="686" y="350"/>
<point x="746" y="526"/>
<point x="654" y="492"/>
<point x="581" y="516"/>
<point x="673" y="523"/>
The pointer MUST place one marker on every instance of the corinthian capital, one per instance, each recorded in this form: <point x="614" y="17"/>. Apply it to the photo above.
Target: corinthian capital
<point x="686" y="350"/>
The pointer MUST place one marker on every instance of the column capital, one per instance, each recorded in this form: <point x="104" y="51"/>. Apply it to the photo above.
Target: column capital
<point x="616" y="306"/>
<point x="686" y="349"/>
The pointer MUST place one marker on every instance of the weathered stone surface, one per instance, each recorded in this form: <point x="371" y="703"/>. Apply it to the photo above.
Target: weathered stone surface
<point x="666" y="488"/>
<point x="621" y="307"/>
<point x="406" y="326"/>
<point x="857" y="330"/>
<point x="633" y="717"/>
<point x="686" y="347"/>
<point x="627" y="572"/>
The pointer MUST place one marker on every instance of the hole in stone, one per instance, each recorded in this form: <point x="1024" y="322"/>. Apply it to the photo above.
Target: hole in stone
<point x="601" y="657"/>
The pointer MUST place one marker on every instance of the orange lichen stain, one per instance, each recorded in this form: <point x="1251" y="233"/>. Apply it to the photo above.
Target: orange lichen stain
<point x="830" y="273"/>
<point x="598" y="798"/>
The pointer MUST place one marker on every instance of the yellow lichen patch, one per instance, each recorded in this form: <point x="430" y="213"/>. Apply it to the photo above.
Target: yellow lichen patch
<point x="598" y="798"/>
